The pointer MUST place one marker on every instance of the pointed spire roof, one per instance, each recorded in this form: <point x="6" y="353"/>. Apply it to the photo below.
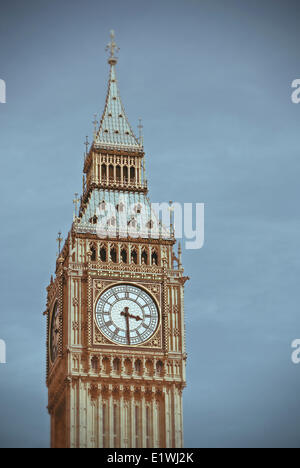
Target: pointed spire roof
<point x="115" y="129"/>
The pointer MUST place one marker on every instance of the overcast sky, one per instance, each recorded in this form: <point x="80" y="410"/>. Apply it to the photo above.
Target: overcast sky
<point x="212" y="81"/>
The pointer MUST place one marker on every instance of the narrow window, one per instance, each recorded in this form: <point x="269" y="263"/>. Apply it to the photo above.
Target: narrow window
<point x="113" y="255"/>
<point x="106" y="365"/>
<point x="154" y="258"/>
<point x="116" y="365"/>
<point x="93" y="251"/>
<point x="144" y="257"/>
<point x="134" y="256"/>
<point x="124" y="255"/>
<point x="159" y="367"/>
<point x="120" y="207"/>
<point x="150" y="224"/>
<point x="138" y="366"/>
<point x="103" y="171"/>
<point x="132" y="173"/>
<point x="103" y="254"/>
<point x="95" y="363"/>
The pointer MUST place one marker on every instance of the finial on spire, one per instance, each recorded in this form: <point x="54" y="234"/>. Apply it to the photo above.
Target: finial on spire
<point x="95" y="122"/>
<point x="140" y="127"/>
<point x="86" y="145"/>
<point x="59" y="241"/>
<point x="171" y="209"/>
<point x="75" y="202"/>
<point x="112" y="48"/>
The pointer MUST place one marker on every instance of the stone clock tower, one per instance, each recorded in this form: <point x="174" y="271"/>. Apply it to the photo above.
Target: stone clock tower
<point x="115" y="319"/>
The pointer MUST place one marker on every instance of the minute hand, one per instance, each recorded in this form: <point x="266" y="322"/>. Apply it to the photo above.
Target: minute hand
<point x="126" y="314"/>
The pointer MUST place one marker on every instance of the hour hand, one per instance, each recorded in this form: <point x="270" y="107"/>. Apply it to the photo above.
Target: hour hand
<point x="136" y="317"/>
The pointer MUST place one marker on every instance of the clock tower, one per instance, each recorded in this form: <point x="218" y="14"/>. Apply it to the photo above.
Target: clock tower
<point x="115" y="318"/>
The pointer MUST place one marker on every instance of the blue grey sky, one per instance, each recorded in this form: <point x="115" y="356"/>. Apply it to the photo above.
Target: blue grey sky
<point x="212" y="81"/>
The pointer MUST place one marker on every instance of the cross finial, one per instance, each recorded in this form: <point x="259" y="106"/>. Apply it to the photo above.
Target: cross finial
<point x="112" y="48"/>
<point x="59" y="241"/>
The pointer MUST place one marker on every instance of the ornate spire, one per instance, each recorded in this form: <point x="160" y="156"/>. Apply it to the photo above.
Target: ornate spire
<point x="114" y="129"/>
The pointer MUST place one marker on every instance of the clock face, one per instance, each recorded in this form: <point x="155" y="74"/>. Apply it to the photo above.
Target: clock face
<point x="127" y="315"/>
<point x="54" y="333"/>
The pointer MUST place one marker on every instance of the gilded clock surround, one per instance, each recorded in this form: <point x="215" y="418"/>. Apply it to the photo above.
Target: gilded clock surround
<point x="156" y="335"/>
<point x="102" y="394"/>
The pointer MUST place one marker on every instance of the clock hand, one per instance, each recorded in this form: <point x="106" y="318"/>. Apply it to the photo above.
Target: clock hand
<point x="126" y="314"/>
<point x="136" y="317"/>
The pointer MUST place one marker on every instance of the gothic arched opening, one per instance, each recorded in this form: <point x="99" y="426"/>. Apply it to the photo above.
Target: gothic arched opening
<point x="93" y="253"/>
<point x="117" y="365"/>
<point x="103" y="254"/>
<point x="113" y="254"/>
<point x="95" y="364"/>
<point x="154" y="258"/>
<point x="138" y="366"/>
<point x="128" y="366"/>
<point x="106" y="365"/>
<point x="134" y="256"/>
<point x="159" y="367"/>
<point x="144" y="257"/>
<point x="124" y="255"/>
<point x="132" y="173"/>
<point x="149" y="367"/>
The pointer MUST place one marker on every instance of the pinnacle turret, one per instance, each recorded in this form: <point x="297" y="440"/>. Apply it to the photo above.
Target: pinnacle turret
<point x="114" y="129"/>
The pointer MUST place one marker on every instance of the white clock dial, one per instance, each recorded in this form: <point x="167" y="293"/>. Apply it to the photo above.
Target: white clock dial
<point x="127" y="315"/>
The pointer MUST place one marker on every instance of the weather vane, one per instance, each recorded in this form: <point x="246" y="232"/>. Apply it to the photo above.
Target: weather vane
<point x="112" y="48"/>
